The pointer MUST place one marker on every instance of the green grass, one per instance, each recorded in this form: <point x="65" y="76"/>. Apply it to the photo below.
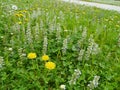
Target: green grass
<point x="112" y="2"/>
<point x="76" y="38"/>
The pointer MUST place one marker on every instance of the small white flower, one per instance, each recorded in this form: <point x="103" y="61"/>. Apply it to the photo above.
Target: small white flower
<point x="78" y="72"/>
<point x="11" y="33"/>
<point x="10" y="49"/>
<point x="62" y="87"/>
<point x="95" y="81"/>
<point x="65" y="30"/>
<point x="1" y="37"/>
<point x="93" y="84"/>
<point x="14" y="7"/>
<point x="23" y="54"/>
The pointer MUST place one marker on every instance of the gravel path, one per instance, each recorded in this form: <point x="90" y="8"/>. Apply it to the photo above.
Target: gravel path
<point x="102" y="6"/>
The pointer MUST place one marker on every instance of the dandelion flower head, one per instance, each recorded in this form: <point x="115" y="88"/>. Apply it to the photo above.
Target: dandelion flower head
<point x="14" y="7"/>
<point x="50" y="65"/>
<point x="19" y="23"/>
<point x="45" y="57"/>
<point x="31" y="55"/>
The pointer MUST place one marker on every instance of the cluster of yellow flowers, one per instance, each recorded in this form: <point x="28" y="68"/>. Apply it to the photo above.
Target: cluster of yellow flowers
<point x="49" y="65"/>
<point x="21" y="14"/>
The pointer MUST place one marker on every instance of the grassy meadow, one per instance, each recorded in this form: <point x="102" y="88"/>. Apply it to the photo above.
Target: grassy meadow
<point x="53" y="45"/>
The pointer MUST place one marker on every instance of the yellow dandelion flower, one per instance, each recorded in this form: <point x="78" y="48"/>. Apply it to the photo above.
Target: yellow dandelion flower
<point x="45" y="57"/>
<point x="31" y="55"/>
<point x="50" y="65"/>
<point x="17" y="15"/>
<point x="21" y="15"/>
<point x="19" y="23"/>
<point x="24" y="11"/>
